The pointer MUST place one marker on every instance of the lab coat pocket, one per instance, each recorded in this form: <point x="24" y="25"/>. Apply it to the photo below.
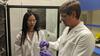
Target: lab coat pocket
<point x="36" y="48"/>
<point x="71" y="48"/>
<point x="68" y="48"/>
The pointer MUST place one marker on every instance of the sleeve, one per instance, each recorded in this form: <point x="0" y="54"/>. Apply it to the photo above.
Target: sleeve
<point x="55" y="45"/>
<point x="17" y="47"/>
<point x="85" y="45"/>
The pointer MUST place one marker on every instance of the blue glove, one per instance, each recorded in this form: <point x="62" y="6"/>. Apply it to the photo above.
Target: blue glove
<point x="44" y="43"/>
<point x="45" y="53"/>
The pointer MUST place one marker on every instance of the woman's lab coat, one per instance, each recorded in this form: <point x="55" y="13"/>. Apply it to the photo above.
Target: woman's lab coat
<point x="78" y="42"/>
<point x="30" y="48"/>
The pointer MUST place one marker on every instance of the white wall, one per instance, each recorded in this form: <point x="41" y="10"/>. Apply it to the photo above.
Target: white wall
<point x="36" y="2"/>
<point x="51" y="20"/>
<point x="16" y="16"/>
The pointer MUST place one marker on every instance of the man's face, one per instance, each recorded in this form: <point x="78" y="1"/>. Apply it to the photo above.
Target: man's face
<point x="67" y="19"/>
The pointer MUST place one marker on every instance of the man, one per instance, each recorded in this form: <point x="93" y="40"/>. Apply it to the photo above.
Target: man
<point x="77" y="39"/>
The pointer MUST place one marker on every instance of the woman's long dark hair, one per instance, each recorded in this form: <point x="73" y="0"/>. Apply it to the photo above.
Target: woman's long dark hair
<point x="25" y="25"/>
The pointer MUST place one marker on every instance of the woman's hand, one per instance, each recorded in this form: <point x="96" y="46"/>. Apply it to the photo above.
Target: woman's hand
<point x="44" y="43"/>
<point x="45" y="53"/>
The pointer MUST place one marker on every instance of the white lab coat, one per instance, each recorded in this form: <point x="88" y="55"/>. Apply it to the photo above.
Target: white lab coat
<point x="78" y="42"/>
<point x="30" y="48"/>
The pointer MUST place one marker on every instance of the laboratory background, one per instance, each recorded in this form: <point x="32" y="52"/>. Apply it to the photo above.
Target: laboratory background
<point x="12" y="12"/>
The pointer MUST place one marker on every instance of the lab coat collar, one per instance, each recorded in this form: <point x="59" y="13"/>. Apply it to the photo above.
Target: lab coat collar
<point x="78" y="27"/>
<point x="35" y="35"/>
<point x="73" y="31"/>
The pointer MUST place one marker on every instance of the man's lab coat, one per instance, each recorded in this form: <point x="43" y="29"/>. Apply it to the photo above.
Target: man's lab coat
<point x="78" y="42"/>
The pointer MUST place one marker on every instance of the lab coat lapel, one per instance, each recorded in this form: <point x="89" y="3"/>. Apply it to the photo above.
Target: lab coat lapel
<point x="72" y="33"/>
<point x="28" y="39"/>
<point x="67" y="36"/>
<point x="75" y="30"/>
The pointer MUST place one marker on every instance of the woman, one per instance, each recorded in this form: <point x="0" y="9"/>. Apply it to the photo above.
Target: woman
<point x="27" y="42"/>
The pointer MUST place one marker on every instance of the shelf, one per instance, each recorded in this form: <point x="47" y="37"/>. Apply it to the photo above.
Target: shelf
<point x="93" y="25"/>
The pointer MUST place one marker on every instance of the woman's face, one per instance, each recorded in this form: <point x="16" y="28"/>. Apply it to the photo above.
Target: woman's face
<point x="31" y="21"/>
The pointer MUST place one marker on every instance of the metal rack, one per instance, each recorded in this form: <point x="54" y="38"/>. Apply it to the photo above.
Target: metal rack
<point x="2" y="29"/>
